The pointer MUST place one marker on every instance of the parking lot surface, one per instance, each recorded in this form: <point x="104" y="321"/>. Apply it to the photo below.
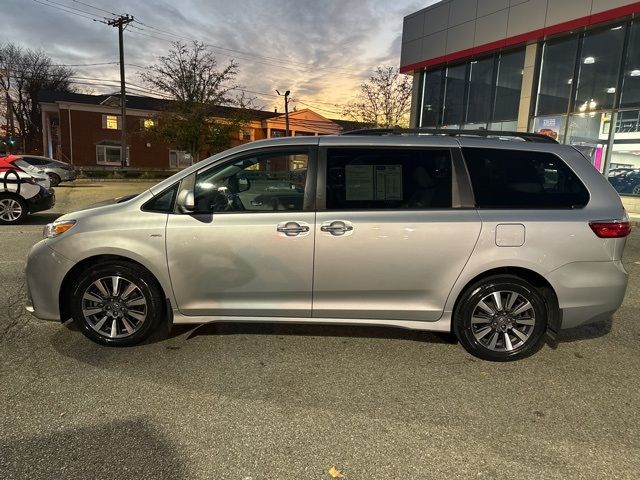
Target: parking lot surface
<point x="290" y="402"/>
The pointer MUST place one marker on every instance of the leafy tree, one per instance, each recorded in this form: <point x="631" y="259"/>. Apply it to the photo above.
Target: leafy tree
<point x="23" y="73"/>
<point x="189" y="77"/>
<point x="384" y="99"/>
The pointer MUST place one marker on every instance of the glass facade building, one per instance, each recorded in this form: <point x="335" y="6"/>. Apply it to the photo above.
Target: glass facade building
<point x="480" y="93"/>
<point x="577" y="81"/>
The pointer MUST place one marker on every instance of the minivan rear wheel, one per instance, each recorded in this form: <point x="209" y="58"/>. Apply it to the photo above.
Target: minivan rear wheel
<point x="116" y="304"/>
<point x="501" y="318"/>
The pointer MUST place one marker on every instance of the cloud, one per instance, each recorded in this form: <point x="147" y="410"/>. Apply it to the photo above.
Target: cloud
<point x="321" y="51"/>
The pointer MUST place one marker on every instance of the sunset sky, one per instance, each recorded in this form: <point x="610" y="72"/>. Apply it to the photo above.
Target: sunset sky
<point x="320" y="50"/>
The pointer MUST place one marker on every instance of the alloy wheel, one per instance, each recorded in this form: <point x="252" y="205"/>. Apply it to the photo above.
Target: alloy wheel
<point x="503" y="321"/>
<point x="10" y="210"/>
<point x="114" y="307"/>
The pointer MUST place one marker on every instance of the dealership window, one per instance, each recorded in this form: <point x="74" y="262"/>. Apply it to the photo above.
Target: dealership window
<point x="360" y="179"/>
<point x="503" y="178"/>
<point x="478" y="94"/>
<point x="508" y="87"/>
<point x="109" y="155"/>
<point x="246" y="134"/>
<point x="111" y="122"/>
<point x="454" y="96"/>
<point x="599" y="65"/>
<point x="276" y="132"/>
<point x="556" y="75"/>
<point x="480" y="88"/>
<point x="432" y="89"/>
<point x="630" y="95"/>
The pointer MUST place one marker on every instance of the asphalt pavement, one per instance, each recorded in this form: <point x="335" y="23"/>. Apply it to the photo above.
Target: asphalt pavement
<point x="256" y="401"/>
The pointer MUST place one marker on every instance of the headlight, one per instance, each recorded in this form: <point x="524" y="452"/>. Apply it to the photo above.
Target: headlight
<point x="54" y="229"/>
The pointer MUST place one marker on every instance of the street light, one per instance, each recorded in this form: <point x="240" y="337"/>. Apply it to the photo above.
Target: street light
<point x="286" y="109"/>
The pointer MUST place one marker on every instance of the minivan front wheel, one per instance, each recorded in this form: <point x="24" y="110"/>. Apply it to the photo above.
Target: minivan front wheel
<point x="116" y="304"/>
<point x="501" y="318"/>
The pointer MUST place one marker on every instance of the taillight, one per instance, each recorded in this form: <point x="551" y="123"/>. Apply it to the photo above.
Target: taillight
<point x="611" y="228"/>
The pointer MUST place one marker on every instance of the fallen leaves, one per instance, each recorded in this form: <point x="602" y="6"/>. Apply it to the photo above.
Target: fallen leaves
<point x="335" y="473"/>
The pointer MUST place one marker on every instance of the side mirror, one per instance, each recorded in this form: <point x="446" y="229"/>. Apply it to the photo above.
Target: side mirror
<point x="186" y="201"/>
<point x="244" y="184"/>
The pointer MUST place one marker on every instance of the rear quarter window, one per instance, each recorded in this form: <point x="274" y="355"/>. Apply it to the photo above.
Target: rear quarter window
<point x="503" y="178"/>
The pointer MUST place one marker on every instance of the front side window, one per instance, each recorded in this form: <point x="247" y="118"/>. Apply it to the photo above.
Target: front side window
<point x="259" y="183"/>
<point x="162" y="203"/>
<point x="374" y="179"/>
<point x="522" y="179"/>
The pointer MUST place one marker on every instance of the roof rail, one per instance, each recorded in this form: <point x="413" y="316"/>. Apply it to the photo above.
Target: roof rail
<point x="527" y="137"/>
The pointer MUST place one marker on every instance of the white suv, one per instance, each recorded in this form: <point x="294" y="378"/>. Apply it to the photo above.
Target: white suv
<point x="21" y="194"/>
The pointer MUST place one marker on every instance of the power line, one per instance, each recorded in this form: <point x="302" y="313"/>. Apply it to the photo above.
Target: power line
<point x="82" y="64"/>
<point x="47" y="4"/>
<point x="96" y="8"/>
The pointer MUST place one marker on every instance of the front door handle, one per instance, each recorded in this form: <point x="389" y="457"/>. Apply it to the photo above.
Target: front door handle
<point x="337" y="227"/>
<point x="292" y="229"/>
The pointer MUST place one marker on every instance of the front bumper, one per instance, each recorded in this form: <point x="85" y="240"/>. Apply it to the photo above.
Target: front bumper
<point x="44" y="200"/>
<point x="588" y="291"/>
<point x="45" y="272"/>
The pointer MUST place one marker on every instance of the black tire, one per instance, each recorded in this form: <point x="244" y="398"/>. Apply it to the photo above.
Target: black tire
<point x="55" y="179"/>
<point x="5" y="199"/>
<point x="129" y="273"/>
<point x="479" y="341"/>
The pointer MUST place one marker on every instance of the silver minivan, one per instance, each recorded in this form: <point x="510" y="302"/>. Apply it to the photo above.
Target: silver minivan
<point x="497" y="239"/>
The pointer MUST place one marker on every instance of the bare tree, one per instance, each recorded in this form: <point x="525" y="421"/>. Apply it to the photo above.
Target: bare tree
<point x="23" y="74"/>
<point x="384" y="99"/>
<point x="189" y="77"/>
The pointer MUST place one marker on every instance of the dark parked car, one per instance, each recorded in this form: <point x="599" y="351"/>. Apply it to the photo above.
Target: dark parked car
<point x="625" y="181"/>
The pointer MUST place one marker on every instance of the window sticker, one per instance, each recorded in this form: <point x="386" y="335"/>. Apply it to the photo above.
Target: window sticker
<point x="389" y="182"/>
<point x="359" y="182"/>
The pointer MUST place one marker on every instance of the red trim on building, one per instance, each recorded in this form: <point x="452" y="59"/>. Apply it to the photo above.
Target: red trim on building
<point x="538" y="34"/>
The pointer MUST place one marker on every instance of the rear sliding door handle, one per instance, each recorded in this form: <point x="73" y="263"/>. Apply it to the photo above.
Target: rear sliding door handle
<point x="292" y="229"/>
<point x="337" y="227"/>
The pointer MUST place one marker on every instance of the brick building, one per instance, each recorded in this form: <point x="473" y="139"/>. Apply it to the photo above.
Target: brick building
<point x="85" y="130"/>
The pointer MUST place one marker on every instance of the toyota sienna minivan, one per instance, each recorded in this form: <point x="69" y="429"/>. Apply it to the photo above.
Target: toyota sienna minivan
<point x="498" y="238"/>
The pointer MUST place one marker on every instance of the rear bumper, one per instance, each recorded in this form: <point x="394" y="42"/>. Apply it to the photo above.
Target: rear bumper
<point x="45" y="272"/>
<point x="588" y="291"/>
<point x="44" y="200"/>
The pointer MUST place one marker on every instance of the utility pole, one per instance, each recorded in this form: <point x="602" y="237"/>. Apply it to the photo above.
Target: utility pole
<point x="121" y="22"/>
<point x="286" y="109"/>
